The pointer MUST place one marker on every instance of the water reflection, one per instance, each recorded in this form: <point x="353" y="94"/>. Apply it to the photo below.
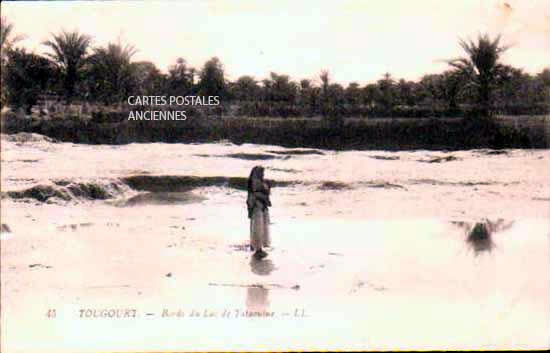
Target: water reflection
<point x="257" y="299"/>
<point x="480" y="239"/>
<point x="479" y="236"/>
<point x="261" y="267"/>
<point x="160" y="198"/>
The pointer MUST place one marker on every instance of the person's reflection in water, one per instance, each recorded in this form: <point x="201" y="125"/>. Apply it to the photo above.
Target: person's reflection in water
<point x="256" y="295"/>
<point x="261" y="267"/>
<point x="257" y="299"/>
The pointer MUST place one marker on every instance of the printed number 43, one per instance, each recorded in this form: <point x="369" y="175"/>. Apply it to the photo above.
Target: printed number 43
<point x="51" y="313"/>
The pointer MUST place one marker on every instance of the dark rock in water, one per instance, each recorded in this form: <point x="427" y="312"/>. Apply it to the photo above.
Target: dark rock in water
<point x="385" y="158"/>
<point x="251" y="156"/>
<point x="64" y="190"/>
<point x="40" y="193"/>
<point x="297" y="152"/>
<point x="452" y="183"/>
<point x="331" y="185"/>
<point x="89" y="190"/>
<point x="285" y="170"/>
<point x="5" y="228"/>
<point x="39" y="265"/>
<point x="334" y="185"/>
<point x="61" y="182"/>
<point x="169" y="274"/>
<point x="493" y="152"/>
<point x="382" y="185"/>
<point x="440" y="159"/>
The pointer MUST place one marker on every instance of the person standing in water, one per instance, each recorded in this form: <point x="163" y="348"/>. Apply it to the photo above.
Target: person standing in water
<point x="257" y="203"/>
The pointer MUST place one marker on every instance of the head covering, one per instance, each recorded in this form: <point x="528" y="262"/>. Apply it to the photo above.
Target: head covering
<point x="256" y="173"/>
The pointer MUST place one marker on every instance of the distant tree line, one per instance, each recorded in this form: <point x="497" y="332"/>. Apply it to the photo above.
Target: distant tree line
<point x="72" y="68"/>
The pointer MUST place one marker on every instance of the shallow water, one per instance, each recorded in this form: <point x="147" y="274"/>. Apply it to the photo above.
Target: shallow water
<point x="462" y="185"/>
<point x="370" y="249"/>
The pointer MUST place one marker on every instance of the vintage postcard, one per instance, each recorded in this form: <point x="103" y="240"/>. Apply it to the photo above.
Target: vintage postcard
<point x="249" y="175"/>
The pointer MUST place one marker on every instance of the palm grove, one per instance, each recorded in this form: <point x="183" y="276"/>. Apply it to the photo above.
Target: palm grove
<point x="75" y="71"/>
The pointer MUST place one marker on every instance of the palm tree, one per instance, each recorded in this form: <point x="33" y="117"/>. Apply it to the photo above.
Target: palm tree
<point x="148" y="79"/>
<point x="482" y="67"/>
<point x="246" y="89"/>
<point x="324" y="76"/>
<point x="7" y="37"/>
<point x="544" y="76"/>
<point x="325" y="81"/>
<point x="7" y="40"/>
<point x="212" y="78"/>
<point x="388" y="92"/>
<point x="181" y="78"/>
<point x="25" y="77"/>
<point x="111" y="73"/>
<point x="69" y="53"/>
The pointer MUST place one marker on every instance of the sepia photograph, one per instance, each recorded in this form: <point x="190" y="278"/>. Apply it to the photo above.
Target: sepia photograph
<point x="249" y="175"/>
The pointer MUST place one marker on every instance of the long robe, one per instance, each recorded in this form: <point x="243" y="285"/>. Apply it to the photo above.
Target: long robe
<point x="259" y="227"/>
<point x="258" y="203"/>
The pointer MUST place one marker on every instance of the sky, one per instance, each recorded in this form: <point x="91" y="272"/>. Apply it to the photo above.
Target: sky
<point x="357" y="41"/>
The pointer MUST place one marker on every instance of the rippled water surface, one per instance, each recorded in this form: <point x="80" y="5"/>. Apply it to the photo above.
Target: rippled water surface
<point x="371" y="249"/>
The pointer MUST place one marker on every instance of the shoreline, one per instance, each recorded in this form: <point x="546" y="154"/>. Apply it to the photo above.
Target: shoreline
<point x="391" y="134"/>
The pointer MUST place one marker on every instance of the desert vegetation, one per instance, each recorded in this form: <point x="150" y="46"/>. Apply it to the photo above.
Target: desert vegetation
<point x="72" y="79"/>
